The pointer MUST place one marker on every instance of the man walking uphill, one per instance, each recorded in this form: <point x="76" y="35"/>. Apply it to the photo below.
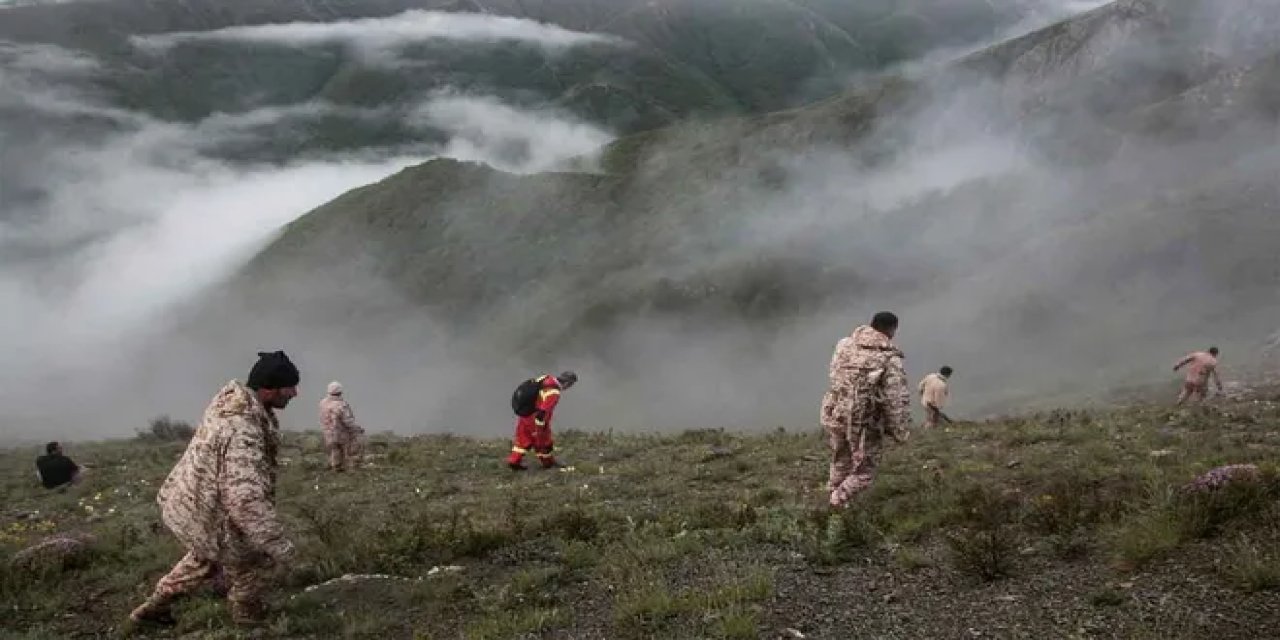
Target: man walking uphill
<point x="341" y="433"/>
<point x="534" y="402"/>
<point x="868" y="399"/>
<point x="1201" y="365"/>
<point x="219" y="500"/>
<point x="933" y="395"/>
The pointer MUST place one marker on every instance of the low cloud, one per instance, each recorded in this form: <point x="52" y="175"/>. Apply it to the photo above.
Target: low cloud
<point x="377" y="37"/>
<point x="484" y="129"/>
<point x="120" y="228"/>
<point x="1034" y="278"/>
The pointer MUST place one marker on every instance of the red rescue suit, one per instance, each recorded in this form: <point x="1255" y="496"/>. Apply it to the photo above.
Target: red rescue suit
<point x="533" y="432"/>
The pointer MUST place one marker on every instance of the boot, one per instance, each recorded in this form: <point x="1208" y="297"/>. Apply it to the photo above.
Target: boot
<point x="152" y="613"/>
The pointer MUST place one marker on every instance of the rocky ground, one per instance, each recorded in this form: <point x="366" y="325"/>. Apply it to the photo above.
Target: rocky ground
<point x="1064" y="524"/>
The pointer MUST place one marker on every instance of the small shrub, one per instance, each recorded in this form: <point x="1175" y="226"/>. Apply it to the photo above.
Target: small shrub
<point x="720" y="475"/>
<point x="1106" y="598"/>
<point x="715" y="437"/>
<point x="1114" y="495"/>
<point x="1252" y="568"/>
<point x="405" y="543"/>
<point x="579" y="556"/>
<point x="739" y="625"/>
<point x="911" y="558"/>
<point x="399" y="456"/>
<point x="573" y="435"/>
<point x="984" y="507"/>
<point x="1061" y="508"/>
<point x="778" y="525"/>
<point x="1146" y="536"/>
<point x="645" y="611"/>
<point x="720" y="515"/>
<point x="533" y="587"/>
<point x="985" y="543"/>
<point x="400" y="545"/>
<point x="166" y="429"/>
<point x="985" y="553"/>
<point x="753" y="588"/>
<point x="652" y="608"/>
<point x="466" y="541"/>
<point x="571" y="523"/>
<point x="514" y="517"/>
<point x="1203" y="514"/>
<point x="515" y="623"/>
<point x="1070" y="546"/>
<point x="329" y="526"/>
<point x="834" y="537"/>
<point x="308" y="615"/>
<point x="767" y="496"/>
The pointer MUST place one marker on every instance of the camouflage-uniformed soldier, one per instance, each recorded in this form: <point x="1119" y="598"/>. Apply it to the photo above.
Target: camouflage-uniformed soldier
<point x="341" y="433"/>
<point x="868" y="400"/>
<point x="219" y="500"/>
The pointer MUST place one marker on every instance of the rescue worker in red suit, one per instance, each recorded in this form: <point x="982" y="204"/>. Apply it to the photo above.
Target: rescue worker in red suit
<point x="533" y="432"/>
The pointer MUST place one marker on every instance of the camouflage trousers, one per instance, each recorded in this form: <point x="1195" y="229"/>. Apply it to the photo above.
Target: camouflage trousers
<point x="344" y="452"/>
<point x="854" y="455"/>
<point x="245" y="585"/>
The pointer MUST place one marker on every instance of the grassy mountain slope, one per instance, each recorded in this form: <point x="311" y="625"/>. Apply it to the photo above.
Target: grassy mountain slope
<point x="1068" y="523"/>
<point x="687" y="58"/>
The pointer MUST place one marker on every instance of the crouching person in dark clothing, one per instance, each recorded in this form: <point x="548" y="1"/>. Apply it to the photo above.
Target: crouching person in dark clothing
<point x="56" y="470"/>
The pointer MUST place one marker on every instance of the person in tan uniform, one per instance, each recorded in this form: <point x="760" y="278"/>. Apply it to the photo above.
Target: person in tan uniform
<point x="867" y="400"/>
<point x="933" y="396"/>
<point x="1201" y="365"/>
<point x="219" y="500"/>
<point x="341" y="432"/>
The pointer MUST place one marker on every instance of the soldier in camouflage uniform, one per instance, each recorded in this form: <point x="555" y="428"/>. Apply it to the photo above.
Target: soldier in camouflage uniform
<point x="219" y="500"/>
<point x="341" y="433"/>
<point x="868" y="400"/>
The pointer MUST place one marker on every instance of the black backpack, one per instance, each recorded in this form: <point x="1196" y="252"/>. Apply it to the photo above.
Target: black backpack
<point x="525" y="399"/>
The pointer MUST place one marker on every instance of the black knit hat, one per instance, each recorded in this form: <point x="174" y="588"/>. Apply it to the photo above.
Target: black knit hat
<point x="273" y="370"/>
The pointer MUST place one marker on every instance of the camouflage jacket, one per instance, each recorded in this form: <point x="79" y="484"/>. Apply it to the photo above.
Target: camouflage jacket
<point x="219" y="500"/>
<point x="868" y="385"/>
<point x="337" y="420"/>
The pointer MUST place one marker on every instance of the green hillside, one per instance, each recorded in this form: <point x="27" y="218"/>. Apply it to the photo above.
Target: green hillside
<point x="675" y="60"/>
<point x="1090" y="214"/>
<point x="1068" y="523"/>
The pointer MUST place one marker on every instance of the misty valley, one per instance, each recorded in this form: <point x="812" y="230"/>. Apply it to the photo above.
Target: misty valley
<point x="754" y="256"/>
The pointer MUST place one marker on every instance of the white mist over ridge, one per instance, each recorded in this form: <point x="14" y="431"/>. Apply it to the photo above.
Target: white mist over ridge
<point x="1027" y="274"/>
<point x="140" y="217"/>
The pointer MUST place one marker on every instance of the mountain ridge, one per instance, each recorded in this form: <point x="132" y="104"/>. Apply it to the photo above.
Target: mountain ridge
<point x="670" y="196"/>
<point x="691" y="57"/>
